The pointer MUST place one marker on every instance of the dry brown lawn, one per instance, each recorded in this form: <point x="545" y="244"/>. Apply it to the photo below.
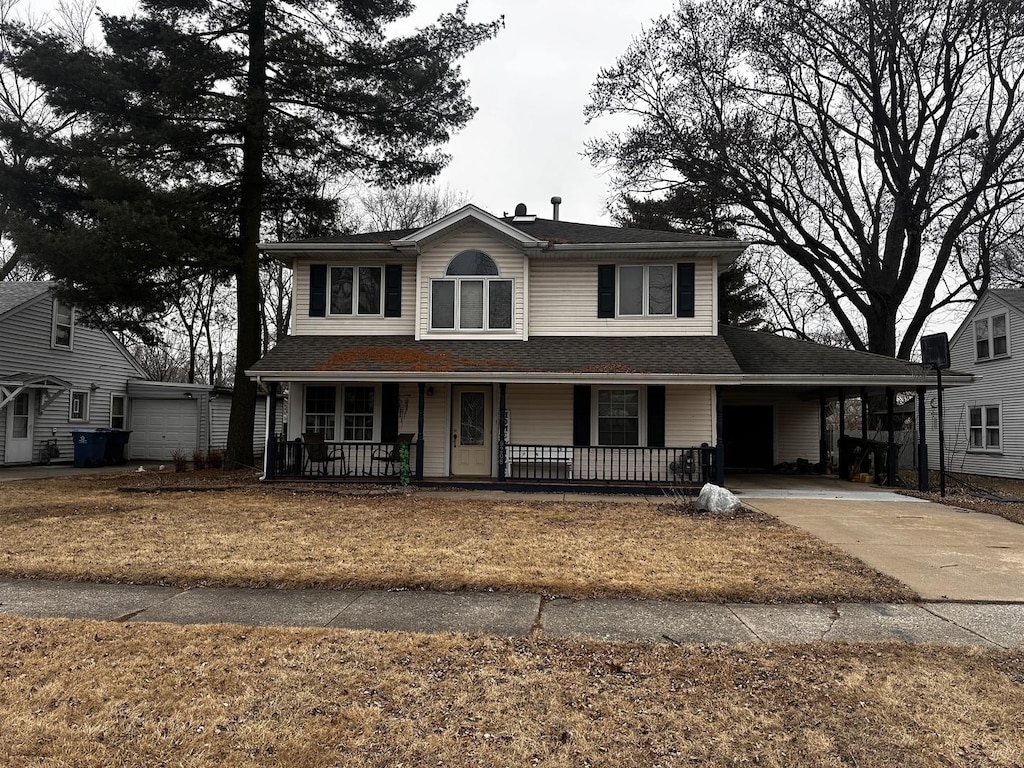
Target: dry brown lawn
<point x="261" y="536"/>
<point x="98" y="694"/>
<point x="979" y="493"/>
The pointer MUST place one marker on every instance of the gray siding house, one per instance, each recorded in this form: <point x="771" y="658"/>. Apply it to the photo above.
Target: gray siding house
<point x="55" y="376"/>
<point x="523" y="349"/>
<point x="985" y="421"/>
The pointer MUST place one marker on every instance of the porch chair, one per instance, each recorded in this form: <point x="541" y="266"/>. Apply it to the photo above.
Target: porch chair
<point x="390" y="455"/>
<point x="321" y="454"/>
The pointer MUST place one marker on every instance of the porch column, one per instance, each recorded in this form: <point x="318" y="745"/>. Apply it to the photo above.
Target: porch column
<point x="890" y="406"/>
<point x="922" y="444"/>
<point x="719" y="440"/>
<point x="501" y="431"/>
<point x="864" y="414"/>
<point x="844" y="468"/>
<point x="270" y="454"/>
<point x="822" y="433"/>
<point x="419" y="430"/>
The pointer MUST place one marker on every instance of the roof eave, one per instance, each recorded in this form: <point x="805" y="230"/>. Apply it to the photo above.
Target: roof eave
<point x="518" y="377"/>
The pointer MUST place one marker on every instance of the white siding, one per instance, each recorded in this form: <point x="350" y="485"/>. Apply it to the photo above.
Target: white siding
<point x="434" y="262"/>
<point x="1001" y="382"/>
<point x="796" y="430"/>
<point x="377" y="325"/>
<point x="563" y="301"/>
<point x="96" y="360"/>
<point x="220" y="415"/>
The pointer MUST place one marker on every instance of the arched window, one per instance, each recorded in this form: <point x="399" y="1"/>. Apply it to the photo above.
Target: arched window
<point x="472" y="263"/>
<point x="472" y="296"/>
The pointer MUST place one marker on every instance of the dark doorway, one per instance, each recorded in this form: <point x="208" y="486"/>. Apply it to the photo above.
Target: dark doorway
<point x="749" y="436"/>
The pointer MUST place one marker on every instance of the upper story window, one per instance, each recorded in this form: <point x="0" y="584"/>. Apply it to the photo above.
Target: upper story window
<point x="472" y="296"/>
<point x="646" y="290"/>
<point x="62" y="332"/>
<point x="990" y="337"/>
<point x="356" y="290"/>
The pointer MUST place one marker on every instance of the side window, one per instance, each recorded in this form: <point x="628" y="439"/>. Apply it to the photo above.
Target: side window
<point x="62" y="333"/>
<point x="118" y="411"/>
<point x="991" y="339"/>
<point x="985" y="427"/>
<point x="79" y="409"/>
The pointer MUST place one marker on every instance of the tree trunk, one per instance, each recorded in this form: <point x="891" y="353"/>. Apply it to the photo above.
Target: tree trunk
<point x="243" y="402"/>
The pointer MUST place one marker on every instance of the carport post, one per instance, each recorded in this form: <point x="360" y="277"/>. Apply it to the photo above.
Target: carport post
<point x="502" y="448"/>
<point x="822" y="433"/>
<point x="719" y="440"/>
<point x="922" y="444"/>
<point x="890" y="407"/>
<point x="270" y="457"/>
<point x="422" y="399"/>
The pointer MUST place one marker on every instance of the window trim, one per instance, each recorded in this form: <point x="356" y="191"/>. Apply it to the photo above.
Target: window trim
<point x="989" y="338"/>
<point x="124" y="410"/>
<point x="486" y="309"/>
<point x="356" y="289"/>
<point x="645" y="290"/>
<point x="54" y="325"/>
<point x="595" y="417"/>
<point x="985" y="447"/>
<point x="84" y="393"/>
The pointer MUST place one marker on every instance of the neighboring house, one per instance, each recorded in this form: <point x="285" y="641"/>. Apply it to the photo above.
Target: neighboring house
<point x="521" y="348"/>
<point x="985" y="421"/>
<point x="56" y="375"/>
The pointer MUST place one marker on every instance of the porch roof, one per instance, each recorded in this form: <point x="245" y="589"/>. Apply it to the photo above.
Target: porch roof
<point x="733" y="357"/>
<point x="541" y="358"/>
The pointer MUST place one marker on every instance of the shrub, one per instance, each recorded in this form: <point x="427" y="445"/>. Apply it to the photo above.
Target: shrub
<point x="199" y="459"/>
<point x="180" y="461"/>
<point x="215" y="459"/>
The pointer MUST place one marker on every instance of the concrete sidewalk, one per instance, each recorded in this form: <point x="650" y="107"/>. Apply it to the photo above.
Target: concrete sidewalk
<point x="984" y="625"/>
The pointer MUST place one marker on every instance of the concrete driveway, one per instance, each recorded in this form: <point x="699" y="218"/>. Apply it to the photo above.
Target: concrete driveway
<point x="941" y="552"/>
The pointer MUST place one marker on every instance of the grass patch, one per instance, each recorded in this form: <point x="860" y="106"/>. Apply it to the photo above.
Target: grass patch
<point x="100" y="694"/>
<point x="979" y="493"/>
<point x="259" y="536"/>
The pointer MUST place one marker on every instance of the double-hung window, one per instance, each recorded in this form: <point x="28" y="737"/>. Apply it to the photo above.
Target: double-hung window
<point x="646" y="289"/>
<point x="357" y="412"/>
<point x="472" y="296"/>
<point x="618" y="416"/>
<point x="356" y="290"/>
<point x="79" y="409"/>
<point x="985" y="427"/>
<point x="118" y="411"/>
<point x="63" y="329"/>
<point x="321" y="410"/>
<point x="990" y="337"/>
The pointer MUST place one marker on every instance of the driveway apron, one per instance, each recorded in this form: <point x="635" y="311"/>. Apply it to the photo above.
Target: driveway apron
<point x="941" y="552"/>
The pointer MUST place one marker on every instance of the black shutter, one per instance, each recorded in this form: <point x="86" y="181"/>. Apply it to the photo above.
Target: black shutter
<point x="392" y="290"/>
<point x="684" y="290"/>
<point x="388" y="412"/>
<point x="606" y="290"/>
<point x="581" y="415"/>
<point x="656" y="416"/>
<point x="318" y="290"/>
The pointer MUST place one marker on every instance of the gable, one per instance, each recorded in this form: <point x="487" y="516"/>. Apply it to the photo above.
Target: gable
<point x="992" y="302"/>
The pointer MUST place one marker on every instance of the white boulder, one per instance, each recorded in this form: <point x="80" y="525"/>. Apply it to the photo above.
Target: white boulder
<point x="717" y="500"/>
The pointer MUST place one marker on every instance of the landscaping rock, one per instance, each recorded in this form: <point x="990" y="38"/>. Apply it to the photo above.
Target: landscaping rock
<point x="717" y="500"/>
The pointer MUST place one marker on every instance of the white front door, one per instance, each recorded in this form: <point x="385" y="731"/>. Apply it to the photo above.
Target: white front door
<point x="20" y="422"/>
<point x="471" y="431"/>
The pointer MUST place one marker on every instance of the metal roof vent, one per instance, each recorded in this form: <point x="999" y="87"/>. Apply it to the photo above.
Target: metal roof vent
<point x="556" y="201"/>
<point x="522" y="215"/>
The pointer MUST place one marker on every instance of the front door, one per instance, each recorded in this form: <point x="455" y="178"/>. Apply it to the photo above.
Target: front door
<point x="18" y="447"/>
<point x="471" y="431"/>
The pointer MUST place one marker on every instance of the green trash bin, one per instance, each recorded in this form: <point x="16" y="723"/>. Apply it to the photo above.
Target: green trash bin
<point x="90" y="447"/>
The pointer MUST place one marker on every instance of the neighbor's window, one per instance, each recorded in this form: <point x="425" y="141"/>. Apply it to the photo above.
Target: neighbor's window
<point x="472" y="296"/>
<point x="118" y="411"/>
<point x="63" y="325"/>
<point x="358" y="414"/>
<point x="618" y="417"/>
<point x="321" y="410"/>
<point x="79" y="410"/>
<point x="985" y="427"/>
<point x="356" y="290"/>
<point x="990" y="337"/>
<point x="646" y="289"/>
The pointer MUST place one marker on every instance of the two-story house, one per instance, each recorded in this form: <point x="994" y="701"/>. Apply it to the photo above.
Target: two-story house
<point x="985" y="421"/>
<point x="519" y="348"/>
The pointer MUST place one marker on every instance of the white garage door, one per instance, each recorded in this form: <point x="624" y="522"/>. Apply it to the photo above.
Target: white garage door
<point x="160" y="427"/>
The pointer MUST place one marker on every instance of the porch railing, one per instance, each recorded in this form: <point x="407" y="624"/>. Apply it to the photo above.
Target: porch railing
<point x="609" y="465"/>
<point x="342" y="461"/>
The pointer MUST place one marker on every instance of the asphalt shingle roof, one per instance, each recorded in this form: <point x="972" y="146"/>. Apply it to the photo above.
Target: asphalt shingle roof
<point x="556" y="232"/>
<point x="696" y="355"/>
<point x="1012" y="296"/>
<point x="15" y="293"/>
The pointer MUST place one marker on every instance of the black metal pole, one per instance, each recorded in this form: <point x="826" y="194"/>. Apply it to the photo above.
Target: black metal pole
<point x="270" y="456"/>
<point x="502" y="447"/>
<point x="421" y="403"/>
<point x="942" y="439"/>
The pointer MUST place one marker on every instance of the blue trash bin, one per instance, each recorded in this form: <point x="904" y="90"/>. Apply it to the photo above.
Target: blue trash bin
<point x="90" y="446"/>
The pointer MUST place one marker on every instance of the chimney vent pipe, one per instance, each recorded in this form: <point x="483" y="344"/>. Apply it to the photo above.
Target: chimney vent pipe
<point x="556" y="201"/>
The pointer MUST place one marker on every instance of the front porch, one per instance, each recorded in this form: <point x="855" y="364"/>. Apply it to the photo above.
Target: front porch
<point x="517" y="464"/>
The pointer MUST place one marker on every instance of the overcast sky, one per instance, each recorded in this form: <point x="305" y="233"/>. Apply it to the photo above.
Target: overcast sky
<point x="530" y="85"/>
